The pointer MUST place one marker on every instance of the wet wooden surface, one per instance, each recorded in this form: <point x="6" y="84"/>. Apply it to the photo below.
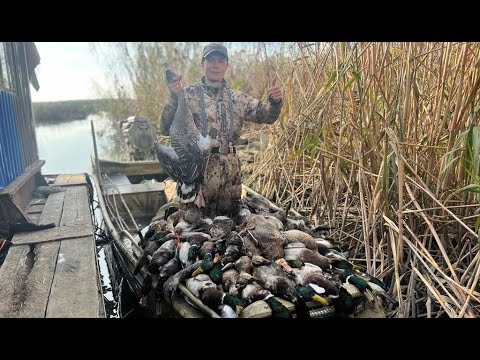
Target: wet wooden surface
<point x="53" y="272"/>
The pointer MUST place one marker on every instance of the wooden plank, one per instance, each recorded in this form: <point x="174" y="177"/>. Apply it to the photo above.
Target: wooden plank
<point x="16" y="196"/>
<point x="11" y="281"/>
<point x="32" y="209"/>
<point x="144" y="167"/>
<point x="34" y="218"/>
<point x="75" y="291"/>
<point x="76" y="209"/>
<point x="28" y="173"/>
<point x="25" y="280"/>
<point x="52" y="212"/>
<point x="52" y="234"/>
<point x="70" y="178"/>
<point x="185" y="309"/>
<point x="117" y="178"/>
<point x="135" y="188"/>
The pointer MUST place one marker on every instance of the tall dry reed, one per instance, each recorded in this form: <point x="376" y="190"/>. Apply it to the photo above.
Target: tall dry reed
<point x="382" y="141"/>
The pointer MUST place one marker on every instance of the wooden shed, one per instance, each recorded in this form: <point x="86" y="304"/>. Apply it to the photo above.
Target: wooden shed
<point x="19" y="162"/>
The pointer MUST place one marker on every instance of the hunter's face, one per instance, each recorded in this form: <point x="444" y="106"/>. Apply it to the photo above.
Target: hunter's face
<point x="215" y="65"/>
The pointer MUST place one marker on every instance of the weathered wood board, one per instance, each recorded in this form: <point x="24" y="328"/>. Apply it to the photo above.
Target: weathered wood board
<point x="53" y="272"/>
<point x="74" y="291"/>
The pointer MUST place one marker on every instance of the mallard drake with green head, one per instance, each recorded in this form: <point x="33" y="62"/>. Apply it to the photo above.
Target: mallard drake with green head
<point x="366" y="283"/>
<point x="310" y="293"/>
<point x="207" y="264"/>
<point x="196" y="240"/>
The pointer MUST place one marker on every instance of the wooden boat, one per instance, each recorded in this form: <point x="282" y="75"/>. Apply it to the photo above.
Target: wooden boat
<point x="132" y="192"/>
<point x="129" y="196"/>
<point x="127" y="206"/>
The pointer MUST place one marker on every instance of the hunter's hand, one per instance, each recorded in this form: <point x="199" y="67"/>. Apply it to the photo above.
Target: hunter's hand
<point x="274" y="90"/>
<point x="176" y="85"/>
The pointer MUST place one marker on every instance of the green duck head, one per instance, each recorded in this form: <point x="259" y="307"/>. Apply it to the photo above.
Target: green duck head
<point x="221" y="247"/>
<point x="234" y="302"/>
<point x="205" y="265"/>
<point x="361" y="284"/>
<point x="193" y="252"/>
<point x="278" y="310"/>
<point x="216" y="273"/>
<point x="307" y="293"/>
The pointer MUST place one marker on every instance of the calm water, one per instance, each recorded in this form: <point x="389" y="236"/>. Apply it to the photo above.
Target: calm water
<point x="67" y="148"/>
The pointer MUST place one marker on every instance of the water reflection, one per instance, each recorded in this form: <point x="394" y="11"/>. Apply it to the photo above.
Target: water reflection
<point x="68" y="147"/>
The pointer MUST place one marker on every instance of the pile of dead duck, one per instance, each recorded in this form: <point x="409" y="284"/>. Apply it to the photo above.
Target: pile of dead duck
<point x="260" y="259"/>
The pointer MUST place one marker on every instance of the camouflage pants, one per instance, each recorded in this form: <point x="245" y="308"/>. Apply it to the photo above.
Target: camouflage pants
<point x="222" y="186"/>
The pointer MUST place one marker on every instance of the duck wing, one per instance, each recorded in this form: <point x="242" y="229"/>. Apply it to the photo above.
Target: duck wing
<point x="187" y="142"/>
<point x="169" y="160"/>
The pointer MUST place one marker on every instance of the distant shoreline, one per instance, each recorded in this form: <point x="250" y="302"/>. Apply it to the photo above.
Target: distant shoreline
<point x="56" y="112"/>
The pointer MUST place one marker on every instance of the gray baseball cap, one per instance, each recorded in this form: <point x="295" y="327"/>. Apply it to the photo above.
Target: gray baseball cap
<point x="213" y="47"/>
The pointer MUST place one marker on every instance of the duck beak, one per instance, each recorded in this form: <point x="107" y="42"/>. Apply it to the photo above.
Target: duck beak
<point x="238" y="309"/>
<point x="283" y="263"/>
<point x="244" y="193"/>
<point x="358" y="267"/>
<point x="199" y="270"/>
<point x="217" y="258"/>
<point x="319" y="299"/>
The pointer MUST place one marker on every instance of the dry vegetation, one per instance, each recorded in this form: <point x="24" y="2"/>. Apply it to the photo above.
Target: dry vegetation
<point x="380" y="140"/>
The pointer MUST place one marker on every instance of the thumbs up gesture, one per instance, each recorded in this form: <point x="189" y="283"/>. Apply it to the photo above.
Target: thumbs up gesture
<point x="274" y="91"/>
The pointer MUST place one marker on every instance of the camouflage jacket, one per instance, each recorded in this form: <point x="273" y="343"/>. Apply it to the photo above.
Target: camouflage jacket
<point x="218" y="117"/>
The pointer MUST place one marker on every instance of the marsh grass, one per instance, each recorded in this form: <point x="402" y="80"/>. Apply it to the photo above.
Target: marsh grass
<point x="382" y="141"/>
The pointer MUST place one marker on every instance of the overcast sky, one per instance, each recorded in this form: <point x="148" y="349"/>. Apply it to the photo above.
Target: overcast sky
<point x="67" y="71"/>
<point x="71" y="71"/>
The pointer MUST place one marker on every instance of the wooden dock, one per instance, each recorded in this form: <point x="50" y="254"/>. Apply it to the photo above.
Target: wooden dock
<point x="53" y="273"/>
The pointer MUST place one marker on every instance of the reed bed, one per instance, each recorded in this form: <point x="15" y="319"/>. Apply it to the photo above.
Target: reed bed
<point x="382" y="141"/>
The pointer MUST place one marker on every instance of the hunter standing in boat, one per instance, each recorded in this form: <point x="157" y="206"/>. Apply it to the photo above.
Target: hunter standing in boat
<point x="220" y="111"/>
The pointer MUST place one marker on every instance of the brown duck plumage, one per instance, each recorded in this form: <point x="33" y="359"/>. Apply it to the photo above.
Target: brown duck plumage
<point x="184" y="160"/>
